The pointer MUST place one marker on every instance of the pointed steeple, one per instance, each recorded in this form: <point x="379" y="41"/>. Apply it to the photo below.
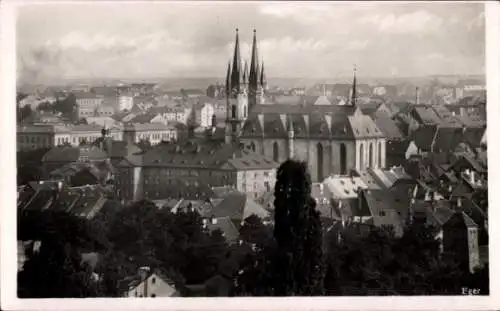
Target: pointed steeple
<point x="354" y="91"/>
<point x="228" y="79"/>
<point x="417" y="96"/>
<point x="262" y="81"/>
<point x="253" y="78"/>
<point x="236" y="72"/>
<point x="245" y="73"/>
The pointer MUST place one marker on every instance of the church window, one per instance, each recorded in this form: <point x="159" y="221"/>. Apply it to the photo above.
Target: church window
<point x="343" y="159"/>
<point x="233" y="111"/>
<point x="319" y="152"/>
<point x="252" y="146"/>
<point x="370" y="156"/>
<point x="380" y="154"/>
<point x="275" y="152"/>
<point x="361" y="157"/>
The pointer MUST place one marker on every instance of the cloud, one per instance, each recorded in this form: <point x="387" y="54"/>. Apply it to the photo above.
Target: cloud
<point x="418" y="22"/>
<point x="295" y="39"/>
<point x="357" y="45"/>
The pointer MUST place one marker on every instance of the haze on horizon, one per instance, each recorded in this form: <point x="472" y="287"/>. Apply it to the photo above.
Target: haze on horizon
<point x="308" y="40"/>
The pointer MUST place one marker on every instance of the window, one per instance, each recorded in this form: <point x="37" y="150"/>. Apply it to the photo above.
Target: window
<point x="381" y="213"/>
<point x="233" y="111"/>
<point x="275" y="152"/>
<point x="361" y="157"/>
<point x="153" y="280"/>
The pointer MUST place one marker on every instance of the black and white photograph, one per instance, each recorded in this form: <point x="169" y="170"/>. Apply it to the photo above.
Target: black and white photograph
<point x="250" y="149"/>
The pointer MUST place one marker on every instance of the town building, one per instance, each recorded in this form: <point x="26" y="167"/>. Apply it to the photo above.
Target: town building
<point x="86" y="104"/>
<point x="203" y="114"/>
<point x="88" y="133"/>
<point x="154" y="133"/>
<point x="460" y="237"/>
<point x="148" y="283"/>
<point x="31" y="137"/>
<point x="209" y="162"/>
<point x="60" y="156"/>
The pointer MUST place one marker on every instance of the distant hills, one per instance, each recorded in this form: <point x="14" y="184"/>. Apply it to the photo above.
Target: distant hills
<point x="202" y="83"/>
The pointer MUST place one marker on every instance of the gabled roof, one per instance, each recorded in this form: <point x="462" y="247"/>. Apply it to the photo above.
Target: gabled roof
<point x="343" y="187"/>
<point x="446" y="139"/>
<point x="238" y="207"/>
<point x="388" y="127"/>
<point x="380" y="201"/>
<point x="226" y="226"/>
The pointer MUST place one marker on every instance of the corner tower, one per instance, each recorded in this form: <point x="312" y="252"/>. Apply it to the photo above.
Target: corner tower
<point x="237" y="96"/>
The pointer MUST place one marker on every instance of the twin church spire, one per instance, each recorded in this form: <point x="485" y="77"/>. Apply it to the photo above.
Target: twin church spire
<point x="240" y="78"/>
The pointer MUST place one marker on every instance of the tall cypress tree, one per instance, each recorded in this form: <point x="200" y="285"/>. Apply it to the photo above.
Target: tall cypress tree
<point x="298" y="264"/>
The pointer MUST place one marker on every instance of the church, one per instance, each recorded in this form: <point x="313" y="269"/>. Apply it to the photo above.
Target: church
<point x="332" y="139"/>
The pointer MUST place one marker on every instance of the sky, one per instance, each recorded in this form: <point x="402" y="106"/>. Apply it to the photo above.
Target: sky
<point x="296" y="39"/>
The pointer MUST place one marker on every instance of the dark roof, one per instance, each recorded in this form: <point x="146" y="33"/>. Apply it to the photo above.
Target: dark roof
<point x="424" y="136"/>
<point x="238" y="207"/>
<point x="226" y="226"/>
<point x="73" y="154"/>
<point x="274" y="121"/>
<point x="446" y="139"/>
<point x="206" y="154"/>
<point x="370" y="108"/>
<point x="122" y="149"/>
<point x="388" y="127"/>
<point x="382" y="201"/>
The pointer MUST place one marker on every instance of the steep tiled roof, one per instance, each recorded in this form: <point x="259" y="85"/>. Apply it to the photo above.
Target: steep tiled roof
<point x="387" y="178"/>
<point x="344" y="187"/>
<point x="121" y="149"/>
<point x="143" y="118"/>
<point x="310" y="122"/>
<point x="238" y="207"/>
<point x="388" y="127"/>
<point x="425" y="114"/>
<point x="364" y="127"/>
<point x="368" y="180"/>
<point x="226" y="226"/>
<point x="73" y="154"/>
<point x="446" y="139"/>
<point x="206" y="154"/>
<point x="380" y="201"/>
<point x="424" y="136"/>
<point x="370" y="108"/>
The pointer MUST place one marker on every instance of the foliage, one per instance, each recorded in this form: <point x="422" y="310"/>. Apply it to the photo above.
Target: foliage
<point x="298" y="234"/>
<point x="56" y="270"/>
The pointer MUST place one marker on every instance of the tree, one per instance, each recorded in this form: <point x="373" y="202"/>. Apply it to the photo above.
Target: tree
<point x="56" y="270"/>
<point x="298" y="264"/>
<point x="66" y="106"/>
